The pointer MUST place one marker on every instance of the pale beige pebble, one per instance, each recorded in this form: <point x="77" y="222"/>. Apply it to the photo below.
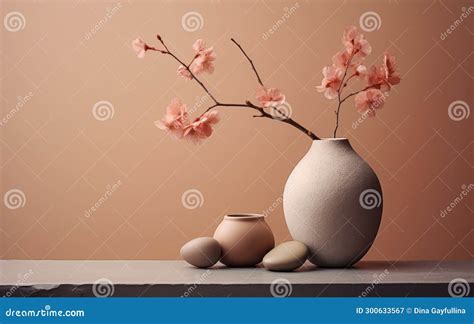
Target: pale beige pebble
<point x="201" y="252"/>
<point x="287" y="256"/>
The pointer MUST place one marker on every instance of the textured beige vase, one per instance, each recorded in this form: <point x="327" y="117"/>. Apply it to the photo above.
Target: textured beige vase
<point x="333" y="203"/>
<point x="244" y="239"/>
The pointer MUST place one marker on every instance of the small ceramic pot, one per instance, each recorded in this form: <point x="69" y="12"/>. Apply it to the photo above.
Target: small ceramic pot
<point x="244" y="238"/>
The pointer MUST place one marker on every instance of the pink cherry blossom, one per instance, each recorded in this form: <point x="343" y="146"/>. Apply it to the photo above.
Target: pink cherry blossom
<point x="361" y="71"/>
<point x="368" y="101"/>
<point x="204" y="59"/>
<point x="355" y="42"/>
<point x="270" y="97"/>
<point x="140" y="47"/>
<point x="331" y="81"/>
<point x="176" y="118"/>
<point x="341" y="60"/>
<point x="184" y="72"/>
<point x="391" y="76"/>
<point x="376" y="78"/>
<point x="199" y="46"/>
<point x="201" y="128"/>
<point x="385" y="76"/>
<point x="204" y="62"/>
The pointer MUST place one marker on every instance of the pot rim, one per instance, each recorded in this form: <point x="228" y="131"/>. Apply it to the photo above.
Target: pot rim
<point x="332" y="139"/>
<point x="237" y="216"/>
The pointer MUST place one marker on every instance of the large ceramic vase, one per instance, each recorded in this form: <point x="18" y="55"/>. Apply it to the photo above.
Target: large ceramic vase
<point x="333" y="203"/>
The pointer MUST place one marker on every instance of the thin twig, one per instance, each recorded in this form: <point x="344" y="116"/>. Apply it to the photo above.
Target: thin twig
<point x="250" y="61"/>
<point x="168" y="52"/>
<point x="356" y="92"/>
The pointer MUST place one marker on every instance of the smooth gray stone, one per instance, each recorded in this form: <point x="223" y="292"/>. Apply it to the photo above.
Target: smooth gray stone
<point x="287" y="256"/>
<point x="201" y="252"/>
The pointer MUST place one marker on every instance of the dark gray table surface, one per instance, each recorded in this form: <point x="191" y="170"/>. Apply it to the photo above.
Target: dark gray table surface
<point x="177" y="278"/>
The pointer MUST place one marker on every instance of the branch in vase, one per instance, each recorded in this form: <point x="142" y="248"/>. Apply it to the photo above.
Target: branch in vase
<point x="339" y="91"/>
<point x="286" y="119"/>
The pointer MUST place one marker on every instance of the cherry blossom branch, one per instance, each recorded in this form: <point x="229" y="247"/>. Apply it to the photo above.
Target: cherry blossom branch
<point x="250" y="61"/>
<point x="356" y="92"/>
<point x="262" y="113"/>
<point x="339" y="91"/>
<point x="168" y="52"/>
<point x="286" y="119"/>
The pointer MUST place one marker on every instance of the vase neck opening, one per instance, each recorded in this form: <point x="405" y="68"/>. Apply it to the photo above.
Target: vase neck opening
<point x="244" y="216"/>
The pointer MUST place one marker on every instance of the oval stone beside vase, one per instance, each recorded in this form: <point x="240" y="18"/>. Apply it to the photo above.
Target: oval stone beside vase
<point x="333" y="203"/>
<point x="244" y="239"/>
<point x="201" y="252"/>
<point x="287" y="256"/>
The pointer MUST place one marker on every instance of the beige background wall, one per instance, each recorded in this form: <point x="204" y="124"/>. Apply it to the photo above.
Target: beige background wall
<point x="54" y="70"/>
